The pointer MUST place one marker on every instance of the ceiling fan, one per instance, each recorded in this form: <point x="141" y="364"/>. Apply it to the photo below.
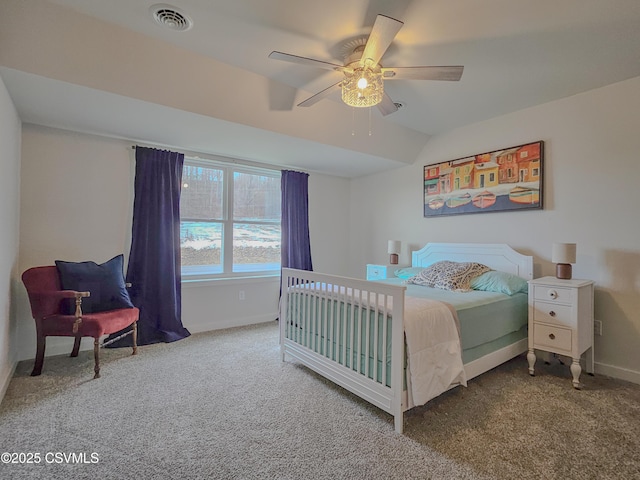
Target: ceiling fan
<point x="364" y="76"/>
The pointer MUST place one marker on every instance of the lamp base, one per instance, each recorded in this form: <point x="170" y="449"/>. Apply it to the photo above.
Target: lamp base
<point x="393" y="259"/>
<point x="563" y="271"/>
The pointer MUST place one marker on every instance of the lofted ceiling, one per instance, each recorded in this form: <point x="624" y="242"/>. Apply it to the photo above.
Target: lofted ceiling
<point x="86" y="65"/>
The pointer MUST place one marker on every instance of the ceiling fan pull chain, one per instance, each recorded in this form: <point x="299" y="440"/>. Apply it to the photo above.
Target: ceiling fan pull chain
<point x="369" y="121"/>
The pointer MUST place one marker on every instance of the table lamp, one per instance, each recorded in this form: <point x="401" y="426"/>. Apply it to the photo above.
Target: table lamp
<point x="394" y="250"/>
<point x="563" y="255"/>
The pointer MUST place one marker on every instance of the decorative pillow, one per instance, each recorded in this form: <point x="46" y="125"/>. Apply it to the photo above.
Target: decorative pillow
<point x="105" y="282"/>
<point x="501" y="282"/>
<point x="447" y="275"/>
<point x="408" y="272"/>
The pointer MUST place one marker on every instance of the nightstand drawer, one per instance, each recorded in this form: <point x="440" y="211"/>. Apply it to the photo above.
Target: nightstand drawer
<point x="553" y="313"/>
<point x="553" y="294"/>
<point x="554" y="339"/>
<point x="376" y="272"/>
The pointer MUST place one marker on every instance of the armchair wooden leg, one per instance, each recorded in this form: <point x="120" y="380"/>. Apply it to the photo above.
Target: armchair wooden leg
<point x="76" y="346"/>
<point x="96" y="355"/>
<point x="134" y="335"/>
<point x="41" y="343"/>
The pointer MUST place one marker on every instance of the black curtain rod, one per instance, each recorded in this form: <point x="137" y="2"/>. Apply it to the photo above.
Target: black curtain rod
<point x="236" y="161"/>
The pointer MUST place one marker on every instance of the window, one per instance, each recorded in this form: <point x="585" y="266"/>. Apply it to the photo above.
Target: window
<point x="229" y="220"/>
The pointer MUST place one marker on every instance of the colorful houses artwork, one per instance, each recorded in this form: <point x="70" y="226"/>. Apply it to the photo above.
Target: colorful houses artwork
<point x="508" y="179"/>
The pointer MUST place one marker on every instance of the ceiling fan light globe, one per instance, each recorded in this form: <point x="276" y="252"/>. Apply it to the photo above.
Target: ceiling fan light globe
<point x="363" y="87"/>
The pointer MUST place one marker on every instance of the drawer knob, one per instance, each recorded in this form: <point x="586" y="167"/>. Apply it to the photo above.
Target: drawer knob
<point x="552" y="313"/>
<point x="552" y="336"/>
<point x="553" y="294"/>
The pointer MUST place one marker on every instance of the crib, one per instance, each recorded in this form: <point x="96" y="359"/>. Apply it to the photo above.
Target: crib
<point x="352" y="331"/>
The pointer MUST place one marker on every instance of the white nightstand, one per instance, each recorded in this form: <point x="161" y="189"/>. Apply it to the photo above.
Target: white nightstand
<point x="380" y="272"/>
<point x="561" y="321"/>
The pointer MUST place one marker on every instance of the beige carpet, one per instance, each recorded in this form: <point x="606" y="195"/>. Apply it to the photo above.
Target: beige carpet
<point x="223" y="405"/>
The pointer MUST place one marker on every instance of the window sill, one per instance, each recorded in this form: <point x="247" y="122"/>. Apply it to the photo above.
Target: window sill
<point x="203" y="281"/>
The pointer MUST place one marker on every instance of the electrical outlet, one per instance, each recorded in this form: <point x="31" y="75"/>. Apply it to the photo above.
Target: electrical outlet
<point x="241" y="295"/>
<point x="597" y="327"/>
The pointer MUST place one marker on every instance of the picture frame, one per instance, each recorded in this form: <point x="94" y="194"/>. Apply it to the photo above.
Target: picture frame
<point x="502" y="180"/>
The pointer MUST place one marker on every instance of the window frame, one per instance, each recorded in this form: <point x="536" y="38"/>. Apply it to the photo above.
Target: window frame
<point x="192" y="273"/>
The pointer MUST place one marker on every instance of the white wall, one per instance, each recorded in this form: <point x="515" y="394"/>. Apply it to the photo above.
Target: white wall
<point x="591" y="197"/>
<point x="76" y="204"/>
<point x="77" y="198"/>
<point x="76" y="201"/>
<point x="329" y="223"/>
<point x="10" y="127"/>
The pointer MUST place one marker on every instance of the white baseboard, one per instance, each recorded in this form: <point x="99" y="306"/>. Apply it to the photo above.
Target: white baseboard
<point x="64" y="345"/>
<point x="236" y="322"/>
<point x="5" y="379"/>
<point x="617" y="372"/>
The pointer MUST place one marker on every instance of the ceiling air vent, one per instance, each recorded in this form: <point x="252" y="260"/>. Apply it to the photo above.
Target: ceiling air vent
<point x="170" y="17"/>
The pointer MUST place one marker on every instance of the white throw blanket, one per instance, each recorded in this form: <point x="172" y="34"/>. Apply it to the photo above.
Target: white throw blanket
<point x="434" y="353"/>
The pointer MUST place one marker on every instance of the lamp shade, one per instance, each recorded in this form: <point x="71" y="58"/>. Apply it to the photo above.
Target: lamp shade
<point x="563" y="253"/>
<point x="394" y="246"/>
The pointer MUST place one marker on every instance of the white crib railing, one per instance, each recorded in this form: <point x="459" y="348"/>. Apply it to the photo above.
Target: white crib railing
<point x="349" y="331"/>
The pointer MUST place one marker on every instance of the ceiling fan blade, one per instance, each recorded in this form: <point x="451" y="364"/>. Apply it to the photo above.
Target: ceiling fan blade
<point x="423" y="73"/>
<point x="287" y="57"/>
<point x="382" y="34"/>
<point x="320" y="95"/>
<point x="387" y="106"/>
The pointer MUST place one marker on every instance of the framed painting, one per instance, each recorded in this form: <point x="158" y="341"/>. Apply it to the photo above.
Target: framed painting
<point x="503" y="180"/>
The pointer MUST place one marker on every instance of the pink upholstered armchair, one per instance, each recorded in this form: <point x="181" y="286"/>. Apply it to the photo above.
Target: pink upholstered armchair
<point x="47" y="300"/>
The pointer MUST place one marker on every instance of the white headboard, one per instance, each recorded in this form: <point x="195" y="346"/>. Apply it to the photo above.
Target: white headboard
<point x="498" y="256"/>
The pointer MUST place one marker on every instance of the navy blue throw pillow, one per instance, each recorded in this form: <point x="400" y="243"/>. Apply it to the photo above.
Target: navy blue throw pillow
<point x="105" y="282"/>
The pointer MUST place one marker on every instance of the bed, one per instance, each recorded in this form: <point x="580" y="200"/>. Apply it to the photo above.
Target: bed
<point x="398" y="345"/>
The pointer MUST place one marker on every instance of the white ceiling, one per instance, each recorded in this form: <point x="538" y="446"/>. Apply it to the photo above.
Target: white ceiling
<point x="516" y="53"/>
